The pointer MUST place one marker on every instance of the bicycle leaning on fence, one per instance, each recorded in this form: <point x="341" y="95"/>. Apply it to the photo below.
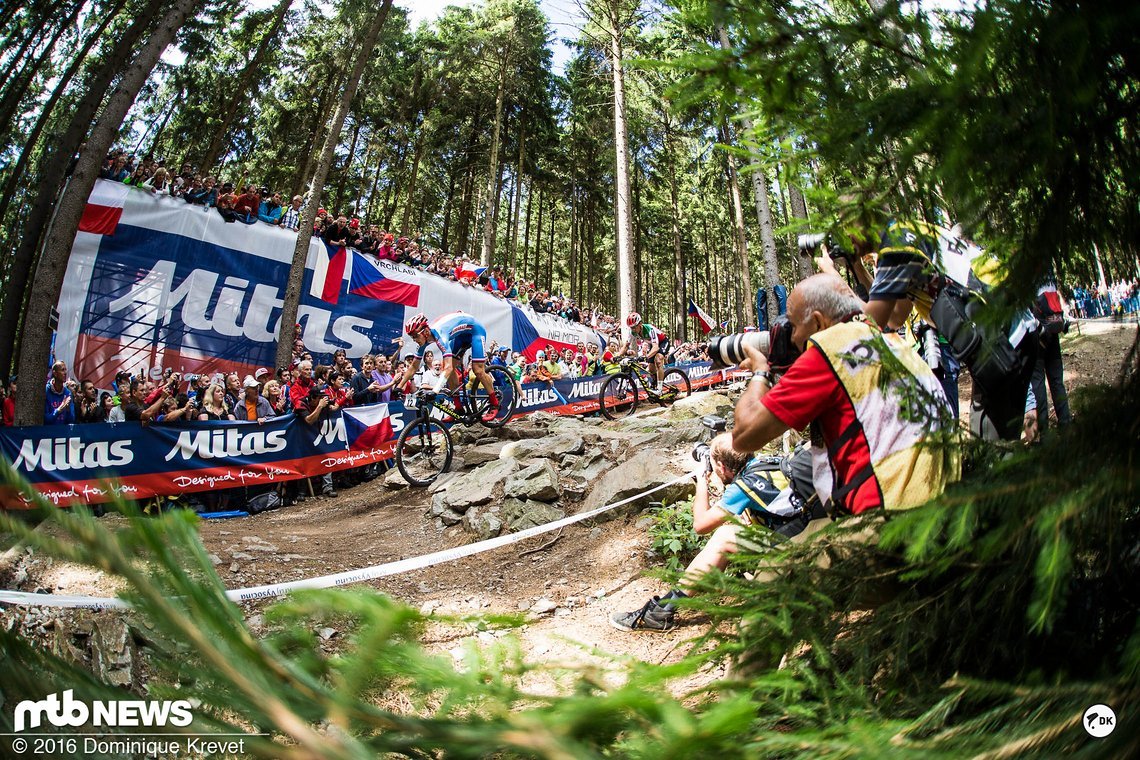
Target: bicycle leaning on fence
<point x="620" y="394"/>
<point x="425" y="447"/>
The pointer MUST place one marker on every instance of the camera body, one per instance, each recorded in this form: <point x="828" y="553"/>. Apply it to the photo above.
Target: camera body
<point x="702" y="452"/>
<point x="776" y="344"/>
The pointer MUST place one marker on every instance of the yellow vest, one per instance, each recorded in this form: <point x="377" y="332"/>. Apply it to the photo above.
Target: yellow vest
<point x="901" y="410"/>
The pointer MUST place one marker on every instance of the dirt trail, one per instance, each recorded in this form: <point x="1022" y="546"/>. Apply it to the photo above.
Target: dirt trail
<point x="586" y="574"/>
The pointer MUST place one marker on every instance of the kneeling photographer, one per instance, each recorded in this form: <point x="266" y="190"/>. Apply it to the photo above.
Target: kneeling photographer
<point x="881" y="429"/>
<point x="749" y="497"/>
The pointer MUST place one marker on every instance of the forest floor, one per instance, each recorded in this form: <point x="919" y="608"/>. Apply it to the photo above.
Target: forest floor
<point x="568" y="589"/>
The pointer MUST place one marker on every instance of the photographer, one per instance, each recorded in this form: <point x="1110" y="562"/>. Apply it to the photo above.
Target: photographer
<point x="881" y="438"/>
<point x="749" y="497"/>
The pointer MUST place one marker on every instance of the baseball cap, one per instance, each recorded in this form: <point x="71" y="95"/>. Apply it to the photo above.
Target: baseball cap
<point x="261" y="372"/>
<point x="249" y="382"/>
<point x="540" y="355"/>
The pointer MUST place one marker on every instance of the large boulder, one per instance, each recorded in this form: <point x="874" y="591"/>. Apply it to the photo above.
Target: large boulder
<point x="487" y="452"/>
<point x="700" y="405"/>
<point x="590" y="466"/>
<point x="475" y="487"/>
<point x="394" y="480"/>
<point x="548" y="447"/>
<point x="483" y="522"/>
<point x="538" y="481"/>
<point x="683" y="432"/>
<point x="642" y="472"/>
<point x="520" y="515"/>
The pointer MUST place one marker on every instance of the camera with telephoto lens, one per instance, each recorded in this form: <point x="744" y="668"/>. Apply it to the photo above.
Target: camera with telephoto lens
<point x="809" y="244"/>
<point x="702" y="452"/>
<point x="776" y="344"/>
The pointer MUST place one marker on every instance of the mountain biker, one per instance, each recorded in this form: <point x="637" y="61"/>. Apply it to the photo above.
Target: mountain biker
<point x="658" y="343"/>
<point x="454" y="333"/>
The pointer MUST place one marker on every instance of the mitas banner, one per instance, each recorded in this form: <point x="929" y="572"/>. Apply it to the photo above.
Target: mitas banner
<point x="91" y="464"/>
<point x="154" y="282"/>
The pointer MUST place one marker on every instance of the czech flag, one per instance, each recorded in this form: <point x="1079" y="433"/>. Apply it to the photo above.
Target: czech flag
<point x="703" y="319"/>
<point x="328" y="272"/>
<point x="367" y="427"/>
<point x="470" y="271"/>
<point x="384" y="283"/>
<point x="104" y="208"/>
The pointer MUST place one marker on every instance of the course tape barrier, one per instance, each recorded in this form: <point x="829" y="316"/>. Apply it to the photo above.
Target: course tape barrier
<point x="25" y="599"/>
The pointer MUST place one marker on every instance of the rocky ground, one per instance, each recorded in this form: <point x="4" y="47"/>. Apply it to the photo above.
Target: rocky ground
<point x="536" y="470"/>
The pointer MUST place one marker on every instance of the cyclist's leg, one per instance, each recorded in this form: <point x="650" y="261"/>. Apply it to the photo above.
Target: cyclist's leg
<point x="659" y="360"/>
<point x="479" y="360"/>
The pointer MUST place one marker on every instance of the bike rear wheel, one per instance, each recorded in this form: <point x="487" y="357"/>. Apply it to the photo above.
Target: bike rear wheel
<point x="618" y="397"/>
<point x="675" y="385"/>
<point x="423" y="451"/>
<point x="507" y="391"/>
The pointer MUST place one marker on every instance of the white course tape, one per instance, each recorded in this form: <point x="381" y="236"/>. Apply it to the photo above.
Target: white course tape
<point x="26" y="599"/>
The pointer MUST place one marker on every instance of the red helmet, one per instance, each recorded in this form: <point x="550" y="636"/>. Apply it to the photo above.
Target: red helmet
<point x="633" y="320"/>
<point x="416" y="324"/>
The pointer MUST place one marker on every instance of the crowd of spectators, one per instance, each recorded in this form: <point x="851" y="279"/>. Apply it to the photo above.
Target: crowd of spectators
<point x="1116" y="300"/>
<point x="252" y="204"/>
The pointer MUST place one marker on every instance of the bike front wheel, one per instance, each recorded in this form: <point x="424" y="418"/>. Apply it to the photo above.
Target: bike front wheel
<point x="423" y="451"/>
<point x="618" y="397"/>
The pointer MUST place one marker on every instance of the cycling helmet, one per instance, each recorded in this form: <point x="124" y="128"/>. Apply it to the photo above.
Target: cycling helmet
<point x="633" y="320"/>
<point x="416" y="324"/>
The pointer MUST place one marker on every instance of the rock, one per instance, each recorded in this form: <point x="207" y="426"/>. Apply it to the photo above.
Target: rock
<point x="394" y="481"/>
<point x="487" y="452"/>
<point x="113" y="653"/>
<point x="700" y="404"/>
<point x="327" y="633"/>
<point x="590" y="466"/>
<point x="215" y="559"/>
<point x="475" y="487"/>
<point x="574" y="488"/>
<point x="550" y="447"/>
<point x="242" y="555"/>
<point x="687" y="432"/>
<point x="444" y="480"/>
<point x="483" y="522"/>
<point x="643" y="471"/>
<point x="520" y="515"/>
<point x="543" y="606"/>
<point x="429" y="607"/>
<point x="644" y="523"/>
<point x="449" y="517"/>
<point x="538" y="481"/>
<point x="642" y="440"/>
<point x="568" y="460"/>
<point x="234" y="567"/>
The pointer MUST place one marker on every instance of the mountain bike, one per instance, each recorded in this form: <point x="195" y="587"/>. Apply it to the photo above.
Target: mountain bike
<point x="620" y="394"/>
<point x="425" y="447"/>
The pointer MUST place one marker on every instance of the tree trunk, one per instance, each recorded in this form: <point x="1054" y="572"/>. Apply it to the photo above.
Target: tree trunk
<point x="514" y="236"/>
<point x="491" y="198"/>
<point x="417" y="154"/>
<point x="744" y="311"/>
<point x="447" y="210"/>
<point x="292" y="300"/>
<point x="17" y="171"/>
<point x="799" y="211"/>
<point x="19" y="85"/>
<point x="51" y="173"/>
<point x="35" y="344"/>
<point x="623" y="218"/>
<point x="242" y="88"/>
<point x="550" y="258"/>
<point x="526" y="230"/>
<point x="339" y="200"/>
<point x="533" y="272"/>
<point x="679" y="286"/>
<point x="763" y="215"/>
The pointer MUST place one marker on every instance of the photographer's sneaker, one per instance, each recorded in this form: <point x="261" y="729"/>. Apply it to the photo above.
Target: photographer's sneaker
<point x="654" y="616"/>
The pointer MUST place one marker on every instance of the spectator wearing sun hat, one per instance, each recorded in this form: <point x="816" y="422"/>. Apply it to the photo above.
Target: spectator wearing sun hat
<point x="252" y="405"/>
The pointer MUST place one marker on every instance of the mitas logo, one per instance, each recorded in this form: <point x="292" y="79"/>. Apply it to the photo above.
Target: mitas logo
<point x="537" y="396"/>
<point x="61" y="454"/>
<point x="70" y="712"/>
<point x="219" y="444"/>
<point x="589" y="389"/>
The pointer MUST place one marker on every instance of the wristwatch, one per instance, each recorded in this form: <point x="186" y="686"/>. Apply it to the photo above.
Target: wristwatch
<point x="765" y="376"/>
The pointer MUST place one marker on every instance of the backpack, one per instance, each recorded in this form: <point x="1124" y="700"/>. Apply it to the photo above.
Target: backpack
<point x="1047" y="309"/>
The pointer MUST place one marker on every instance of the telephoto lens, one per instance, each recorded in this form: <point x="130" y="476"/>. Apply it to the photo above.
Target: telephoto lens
<point x="727" y="350"/>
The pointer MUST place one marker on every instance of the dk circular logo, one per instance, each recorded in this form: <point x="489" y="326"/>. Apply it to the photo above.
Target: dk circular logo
<point x="1099" y="721"/>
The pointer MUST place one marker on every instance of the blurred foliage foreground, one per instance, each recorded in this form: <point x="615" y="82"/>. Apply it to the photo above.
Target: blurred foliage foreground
<point x="981" y="625"/>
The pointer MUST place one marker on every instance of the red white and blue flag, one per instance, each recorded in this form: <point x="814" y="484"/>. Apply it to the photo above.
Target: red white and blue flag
<point x="388" y="283"/>
<point x="703" y="319"/>
<point x="104" y="208"/>
<point x="367" y="427"/>
<point x="328" y="272"/>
